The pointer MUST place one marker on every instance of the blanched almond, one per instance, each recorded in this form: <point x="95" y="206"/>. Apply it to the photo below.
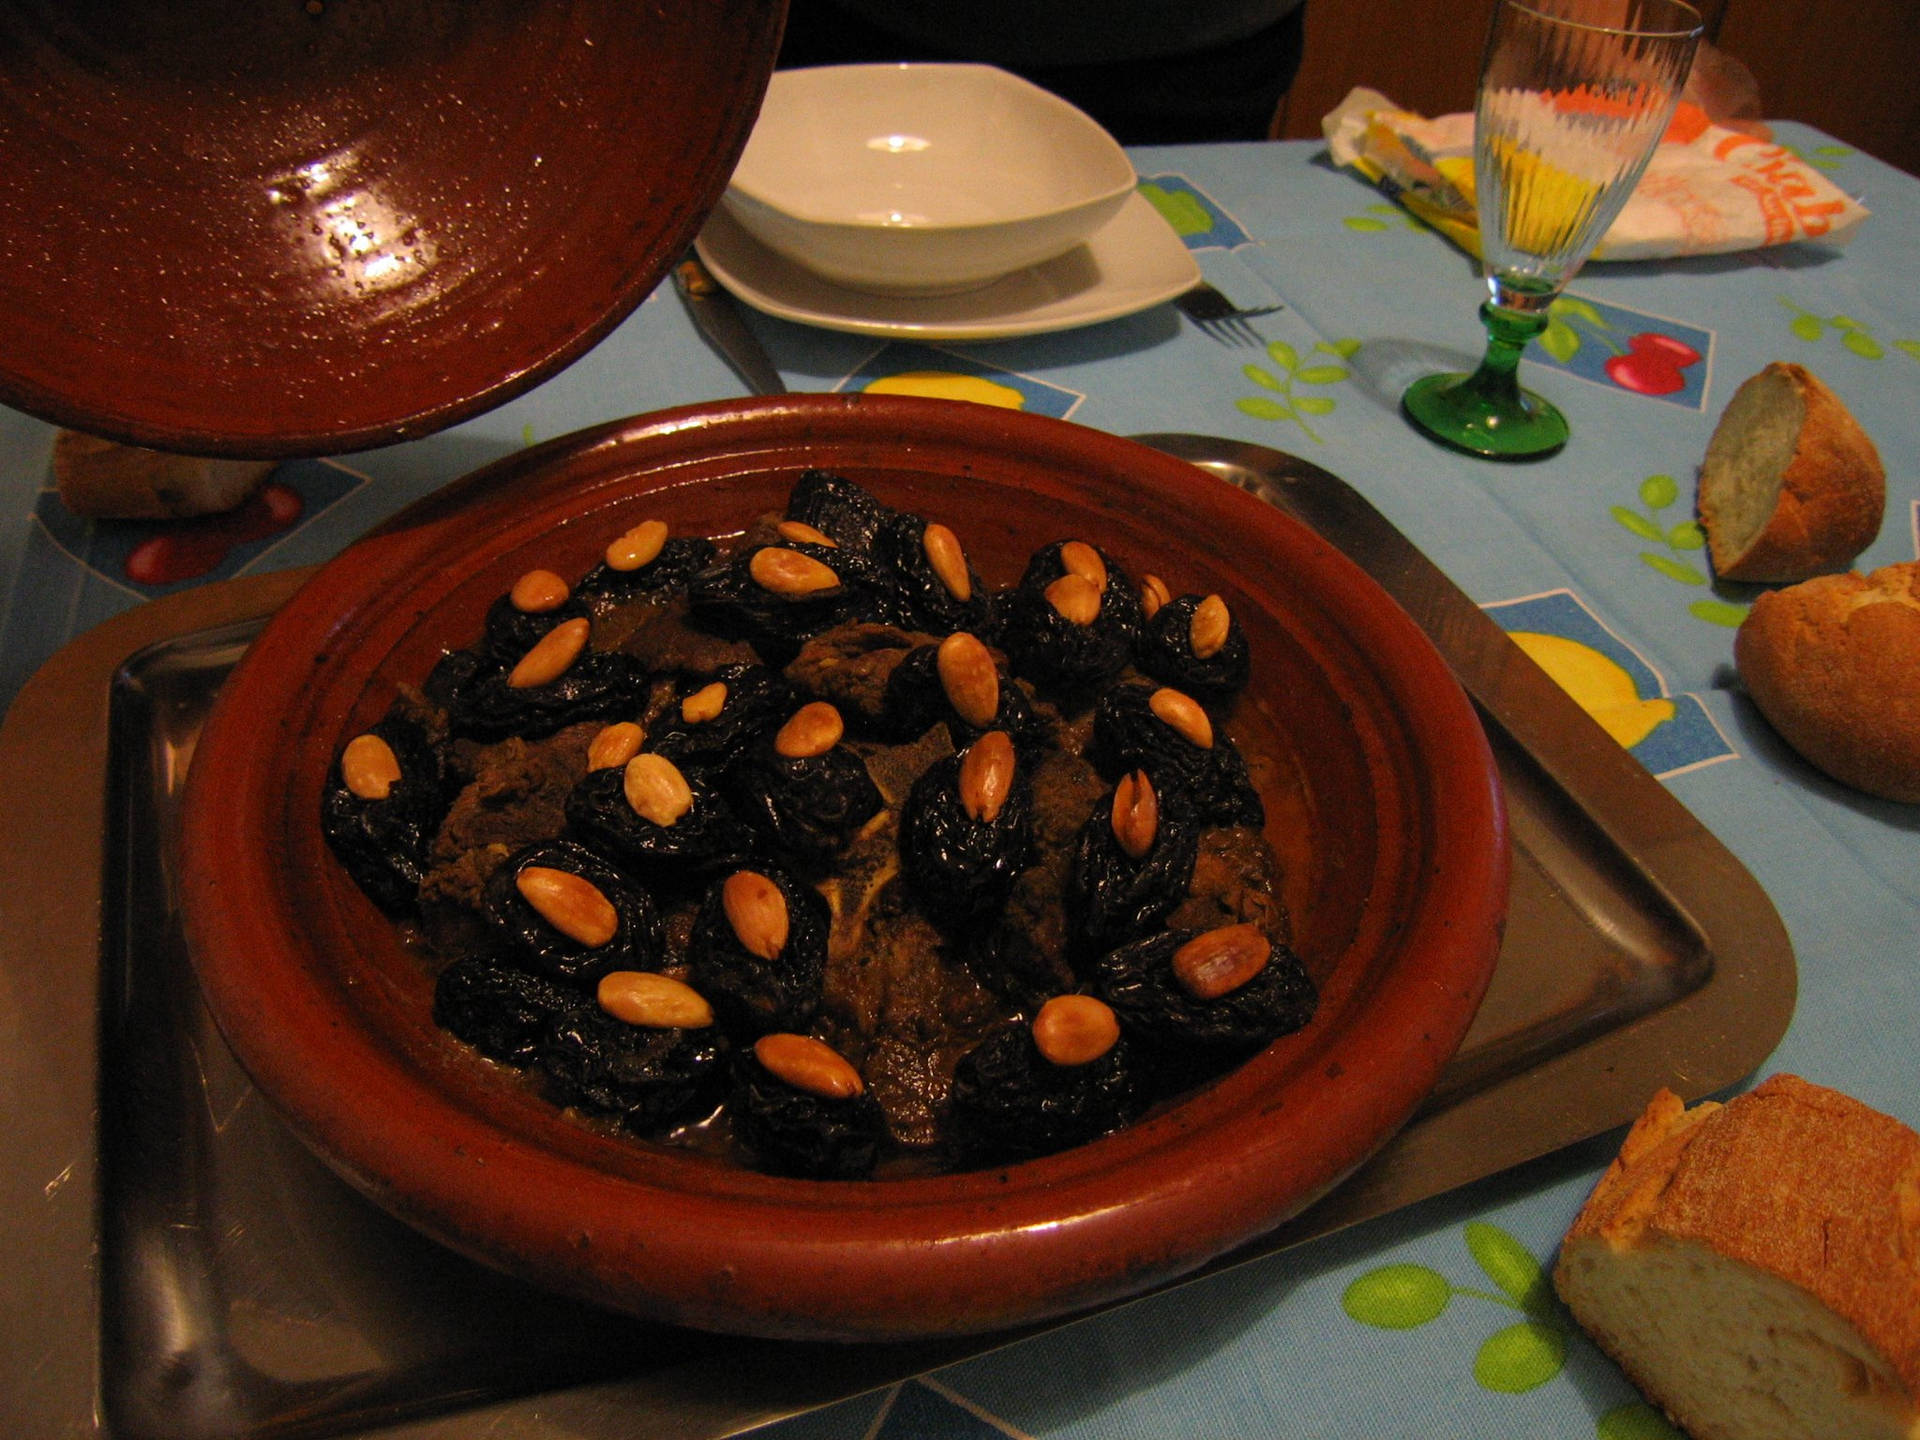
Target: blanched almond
<point x="537" y="592"/>
<point x="1075" y="1030"/>
<point x="813" y="729"/>
<point x="803" y="533"/>
<point x="368" y="767"/>
<point x="704" y="704"/>
<point x="970" y="678"/>
<point x="658" y="1002"/>
<point x="1136" y="814"/>
<point x="1079" y="558"/>
<point x="656" y="789"/>
<point x="548" y="660"/>
<point x="615" y="745"/>
<point x="808" y="1064"/>
<point x="1183" y="713"/>
<point x="1076" y="598"/>
<point x="1208" y="629"/>
<point x="639" y="547"/>
<point x="757" y="911"/>
<point x="948" y="560"/>
<point x="788" y="572"/>
<point x="1221" y="961"/>
<point x="1153" y="594"/>
<point x="986" y="775"/>
<point x="570" y="903"/>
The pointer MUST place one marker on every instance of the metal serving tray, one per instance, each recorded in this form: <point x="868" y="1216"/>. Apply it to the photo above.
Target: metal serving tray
<point x="180" y="1266"/>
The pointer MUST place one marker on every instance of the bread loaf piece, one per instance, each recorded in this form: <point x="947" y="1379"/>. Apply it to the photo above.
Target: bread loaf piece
<point x="1834" y="665"/>
<point x="1755" y="1268"/>
<point x="1791" y="486"/>
<point x="107" y="480"/>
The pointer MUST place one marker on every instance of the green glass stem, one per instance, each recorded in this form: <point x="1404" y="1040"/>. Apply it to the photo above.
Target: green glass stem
<point x="1487" y="413"/>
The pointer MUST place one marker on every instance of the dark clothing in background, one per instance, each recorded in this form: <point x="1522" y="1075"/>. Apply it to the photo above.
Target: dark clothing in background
<point x="1166" y="72"/>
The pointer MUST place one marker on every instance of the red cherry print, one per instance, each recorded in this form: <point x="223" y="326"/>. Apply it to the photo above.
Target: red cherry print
<point x="1654" y="364"/>
<point x="191" y="548"/>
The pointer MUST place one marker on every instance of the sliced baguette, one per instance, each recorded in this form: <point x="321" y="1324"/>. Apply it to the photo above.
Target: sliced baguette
<point x="1834" y="665"/>
<point x="1755" y="1268"/>
<point x="106" y="480"/>
<point x="1791" y="486"/>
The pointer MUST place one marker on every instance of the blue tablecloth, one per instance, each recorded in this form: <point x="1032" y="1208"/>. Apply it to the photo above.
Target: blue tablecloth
<point x="1596" y="545"/>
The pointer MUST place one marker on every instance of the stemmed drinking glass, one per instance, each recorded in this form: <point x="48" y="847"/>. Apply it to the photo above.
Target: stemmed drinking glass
<point x="1574" y="96"/>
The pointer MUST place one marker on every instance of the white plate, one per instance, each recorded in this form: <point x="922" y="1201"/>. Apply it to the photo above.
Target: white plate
<point x="1132" y="262"/>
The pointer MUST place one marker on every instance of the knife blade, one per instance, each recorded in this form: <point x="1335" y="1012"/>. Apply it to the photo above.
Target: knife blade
<point x="717" y="316"/>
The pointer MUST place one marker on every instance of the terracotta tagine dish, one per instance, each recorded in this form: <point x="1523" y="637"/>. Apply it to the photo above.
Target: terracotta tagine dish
<point x="1368" y="776"/>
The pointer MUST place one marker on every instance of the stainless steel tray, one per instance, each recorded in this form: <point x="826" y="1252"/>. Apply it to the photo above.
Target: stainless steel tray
<point x="180" y="1266"/>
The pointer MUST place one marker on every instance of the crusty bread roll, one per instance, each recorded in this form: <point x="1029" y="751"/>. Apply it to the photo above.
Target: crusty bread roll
<point x="1834" y="665"/>
<point x="107" y="480"/>
<point x="1791" y="486"/>
<point x="1755" y="1268"/>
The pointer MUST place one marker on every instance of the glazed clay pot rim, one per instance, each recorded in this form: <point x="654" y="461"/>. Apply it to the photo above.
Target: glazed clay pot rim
<point x="902" y="1233"/>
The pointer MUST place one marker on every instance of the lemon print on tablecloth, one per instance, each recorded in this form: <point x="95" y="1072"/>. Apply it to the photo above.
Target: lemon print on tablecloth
<point x="945" y="385"/>
<point x="1598" y="685"/>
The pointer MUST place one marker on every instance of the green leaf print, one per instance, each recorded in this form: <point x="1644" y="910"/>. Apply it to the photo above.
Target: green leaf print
<point x="1366" y="224"/>
<point x="1348" y="348"/>
<point x="1312" y="405"/>
<point x="1283" y="355"/>
<point x="1261" y="377"/>
<point x="1397" y="1297"/>
<point x="1322" y="374"/>
<point x="1635" y="1420"/>
<point x="1520" y="1358"/>
<point x="1560" y="340"/>
<point x="1674" y="569"/>
<point x="1687" y="535"/>
<point x="1911" y="347"/>
<point x="1808" y="327"/>
<point x="1636" y="522"/>
<point x="1659" y="491"/>
<point x="1261" y="408"/>
<point x="1718" y="612"/>
<point x="1861" y="343"/>
<point x="1575" y="306"/>
<point x="1179" y="208"/>
<point x="1508" y="1264"/>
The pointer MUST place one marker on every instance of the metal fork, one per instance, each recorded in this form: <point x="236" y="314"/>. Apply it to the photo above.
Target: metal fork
<point x="1220" y="318"/>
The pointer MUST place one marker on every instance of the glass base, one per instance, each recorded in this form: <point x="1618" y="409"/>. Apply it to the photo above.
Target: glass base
<point x="1473" y="417"/>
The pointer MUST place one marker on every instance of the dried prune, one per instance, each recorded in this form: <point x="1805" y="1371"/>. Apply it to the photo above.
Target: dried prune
<point x="931" y="585"/>
<point x="848" y="515"/>
<point x="1069" y="625"/>
<point x="1131" y="731"/>
<point x="805" y="805"/>
<point x="498" y="1008"/>
<point x="598" y="685"/>
<point x="509" y="631"/>
<point x="681" y="557"/>
<point x="651" y="1078"/>
<point x="921" y="692"/>
<point x="1114" y="895"/>
<point x="962" y="843"/>
<point x="758" y="950"/>
<point x="713" y="719"/>
<point x="535" y="929"/>
<point x="1009" y="1102"/>
<point x="385" y="841"/>
<point x="1142" y="982"/>
<point x="776" y="596"/>
<point x="703" y="838"/>
<point x="794" y="1131"/>
<point x="1170" y="644"/>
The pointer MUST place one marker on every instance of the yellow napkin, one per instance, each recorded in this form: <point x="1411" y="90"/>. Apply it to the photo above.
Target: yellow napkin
<point x="1707" y="191"/>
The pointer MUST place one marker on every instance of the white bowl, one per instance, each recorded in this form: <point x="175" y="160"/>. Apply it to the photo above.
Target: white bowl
<point x="923" y="179"/>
